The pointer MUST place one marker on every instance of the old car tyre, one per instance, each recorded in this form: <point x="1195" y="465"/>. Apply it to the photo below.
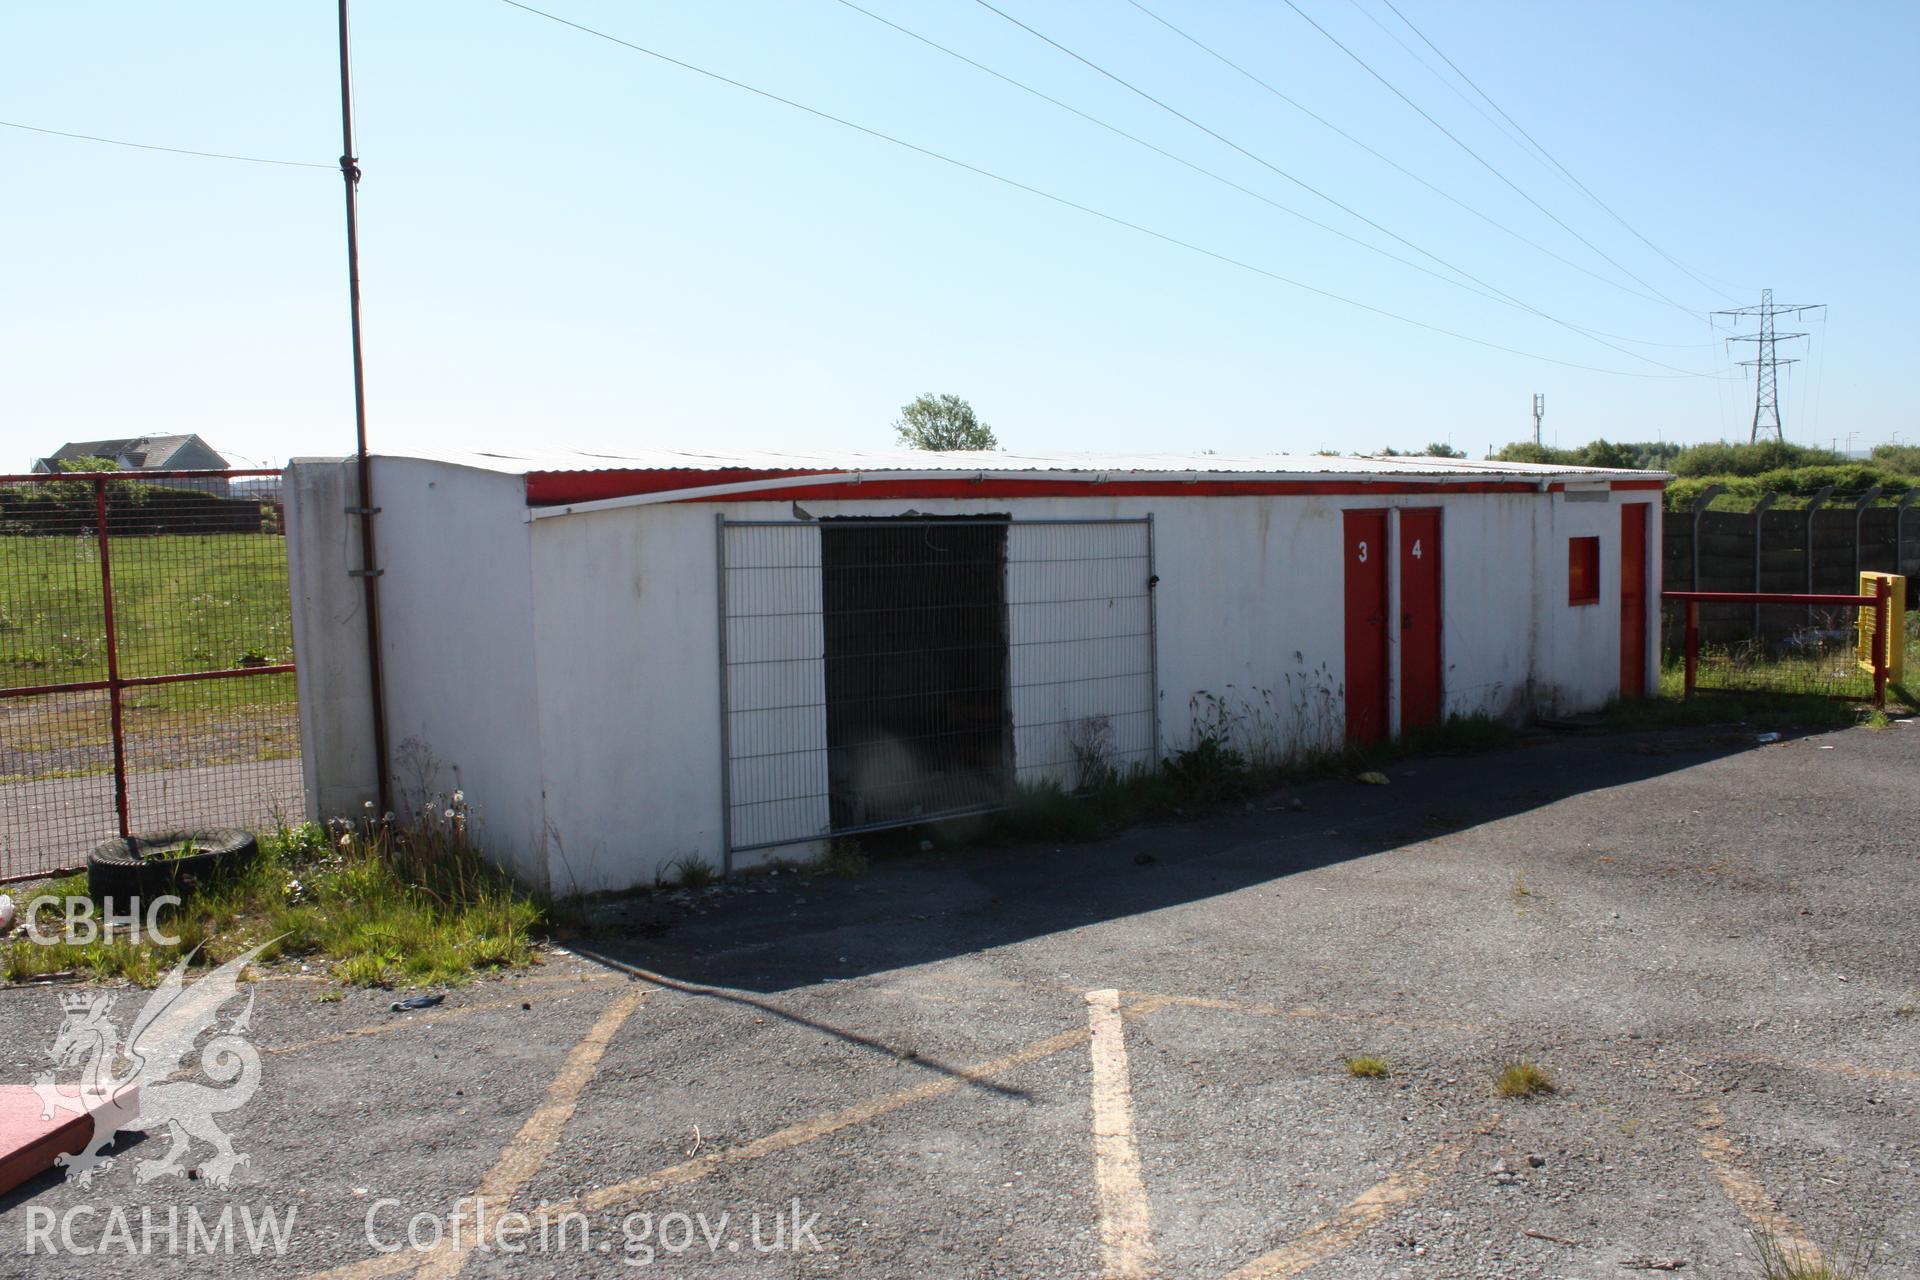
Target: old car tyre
<point x="142" y="867"/>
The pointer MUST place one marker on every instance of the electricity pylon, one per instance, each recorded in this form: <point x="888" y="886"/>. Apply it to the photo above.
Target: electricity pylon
<point x="1766" y="362"/>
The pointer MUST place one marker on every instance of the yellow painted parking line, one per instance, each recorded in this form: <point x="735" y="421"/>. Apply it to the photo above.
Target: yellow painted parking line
<point x="538" y="1137"/>
<point x="1352" y="1220"/>
<point x="1853" y="1070"/>
<point x="522" y="1157"/>
<point x="806" y="1131"/>
<point x="1746" y="1191"/>
<point x="781" y="1140"/>
<point x="1126" y="1215"/>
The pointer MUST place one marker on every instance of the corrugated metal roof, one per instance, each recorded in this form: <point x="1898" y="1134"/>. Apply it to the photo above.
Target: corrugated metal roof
<point x="1005" y="462"/>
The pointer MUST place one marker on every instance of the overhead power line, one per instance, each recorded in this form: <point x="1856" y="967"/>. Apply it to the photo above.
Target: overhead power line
<point x="1308" y="187"/>
<point x="1075" y="205"/>
<point x="1385" y="159"/>
<point x="1551" y="158"/>
<point x="1479" y="159"/>
<point x="178" y="151"/>
<point x="1360" y="7"/>
<point x="1489" y="293"/>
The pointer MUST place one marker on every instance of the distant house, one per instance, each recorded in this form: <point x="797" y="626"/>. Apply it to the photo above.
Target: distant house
<point x="149" y="453"/>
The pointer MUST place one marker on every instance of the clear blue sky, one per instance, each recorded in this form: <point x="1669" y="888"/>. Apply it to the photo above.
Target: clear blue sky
<point x="568" y="243"/>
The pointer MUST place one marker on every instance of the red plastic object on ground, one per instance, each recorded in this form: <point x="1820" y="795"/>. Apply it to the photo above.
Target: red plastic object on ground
<point x="29" y="1143"/>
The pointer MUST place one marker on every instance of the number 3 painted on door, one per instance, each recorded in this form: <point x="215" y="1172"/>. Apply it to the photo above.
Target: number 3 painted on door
<point x="1363" y="553"/>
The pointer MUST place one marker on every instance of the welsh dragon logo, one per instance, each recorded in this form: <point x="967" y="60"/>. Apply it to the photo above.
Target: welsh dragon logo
<point x="134" y="1084"/>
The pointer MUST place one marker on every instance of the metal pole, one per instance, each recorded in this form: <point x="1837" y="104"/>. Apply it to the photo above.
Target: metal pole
<point x="1813" y="507"/>
<point x="726" y="714"/>
<point x="1153" y="646"/>
<point x="1759" y="511"/>
<point x="1700" y="506"/>
<point x="113" y="656"/>
<point x="1900" y="529"/>
<point x="1882" y="615"/>
<point x="369" y="571"/>
<point x="1693" y="647"/>
<point x="1859" y="514"/>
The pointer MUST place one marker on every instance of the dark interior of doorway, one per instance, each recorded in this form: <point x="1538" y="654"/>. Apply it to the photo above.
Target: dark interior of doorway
<point x="918" y="719"/>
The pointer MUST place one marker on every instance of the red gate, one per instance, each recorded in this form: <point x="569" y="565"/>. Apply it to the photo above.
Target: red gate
<point x="146" y="659"/>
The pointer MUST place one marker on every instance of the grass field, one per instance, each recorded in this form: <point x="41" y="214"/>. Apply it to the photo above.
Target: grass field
<point x="182" y="603"/>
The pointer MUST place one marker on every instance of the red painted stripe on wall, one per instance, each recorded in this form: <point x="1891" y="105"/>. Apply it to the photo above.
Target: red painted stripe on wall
<point x="555" y="488"/>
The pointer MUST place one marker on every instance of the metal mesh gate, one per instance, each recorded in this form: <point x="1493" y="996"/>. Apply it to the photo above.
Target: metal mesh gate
<point x="146" y="660"/>
<point x="882" y="672"/>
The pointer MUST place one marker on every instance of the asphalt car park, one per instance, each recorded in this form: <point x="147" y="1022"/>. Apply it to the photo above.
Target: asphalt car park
<point x="1130" y="1058"/>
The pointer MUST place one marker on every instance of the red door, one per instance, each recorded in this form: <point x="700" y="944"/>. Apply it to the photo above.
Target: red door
<point x="1420" y="671"/>
<point x="1366" y="556"/>
<point x="1633" y="600"/>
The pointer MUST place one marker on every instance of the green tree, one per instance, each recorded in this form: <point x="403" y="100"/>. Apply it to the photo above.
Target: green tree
<point x="943" y="424"/>
<point x="1614" y="457"/>
<point x="75" y="491"/>
<point x="1443" y="451"/>
<point x="1528" y="451"/>
<point x="1904" y="458"/>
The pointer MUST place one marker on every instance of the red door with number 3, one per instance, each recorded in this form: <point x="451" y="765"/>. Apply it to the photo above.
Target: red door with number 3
<point x="1366" y="557"/>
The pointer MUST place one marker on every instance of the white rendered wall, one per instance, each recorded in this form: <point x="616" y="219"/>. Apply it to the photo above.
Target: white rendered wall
<point x="457" y="622"/>
<point x="566" y="671"/>
<point x="456" y="616"/>
<point x="329" y="644"/>
<point x="1578" y="666"/>
<point x="1250" y="609"/>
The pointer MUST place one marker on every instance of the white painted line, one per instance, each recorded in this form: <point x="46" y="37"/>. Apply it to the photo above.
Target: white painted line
<point x="1126" y="1217"/>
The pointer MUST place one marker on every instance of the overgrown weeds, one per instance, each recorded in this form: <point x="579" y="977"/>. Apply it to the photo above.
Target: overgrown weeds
<point x="381" y="902"/>
<point x="1216" y="769"/>
<point x="1758" y="705"/>
<point x="1368" y="1067"/>
<point x="1782" y="1259"/>
<point x="844" y="858"/>
<point x="689" y="871"/>
<point x="1523" y="1079"/>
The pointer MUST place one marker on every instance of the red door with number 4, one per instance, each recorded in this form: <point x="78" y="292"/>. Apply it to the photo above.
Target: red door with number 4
<point x="1633" y="600"/>
<point x="1366" y="557"/>
<point x="1420" y="669"/>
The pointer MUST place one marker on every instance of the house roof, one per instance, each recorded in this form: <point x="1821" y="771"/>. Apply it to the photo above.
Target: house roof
<point x="576" y="480"/>
<point x="149" y="453"/>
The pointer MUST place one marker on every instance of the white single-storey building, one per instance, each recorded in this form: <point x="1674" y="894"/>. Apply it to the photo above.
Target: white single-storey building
<point x="627" y="662"/>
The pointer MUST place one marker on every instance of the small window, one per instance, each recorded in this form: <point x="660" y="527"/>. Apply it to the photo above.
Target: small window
<point x="1583" y="571"/>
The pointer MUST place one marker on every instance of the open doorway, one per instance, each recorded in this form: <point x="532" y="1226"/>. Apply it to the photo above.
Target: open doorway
<point x="915" y="624"/>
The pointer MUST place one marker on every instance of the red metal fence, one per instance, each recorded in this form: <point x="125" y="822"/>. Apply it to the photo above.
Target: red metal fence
<point x="1787" y="675"/>
<point x="146" y="660"/>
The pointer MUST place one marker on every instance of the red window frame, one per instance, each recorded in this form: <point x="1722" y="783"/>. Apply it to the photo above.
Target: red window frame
<point x="1583" y="570"/>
